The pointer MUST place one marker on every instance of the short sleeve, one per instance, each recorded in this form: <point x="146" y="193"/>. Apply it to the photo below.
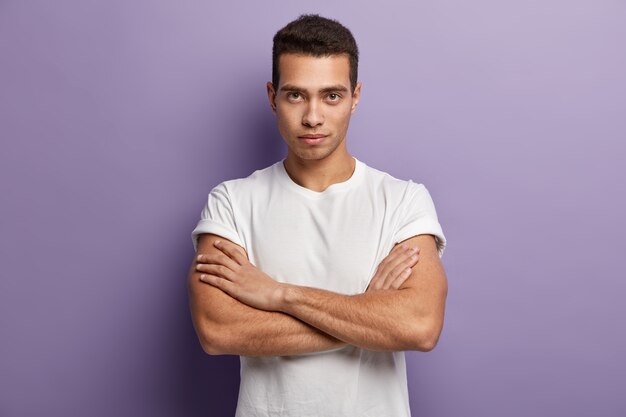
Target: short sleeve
<point x="418" y="217"/>
<point x="217" y="217"/>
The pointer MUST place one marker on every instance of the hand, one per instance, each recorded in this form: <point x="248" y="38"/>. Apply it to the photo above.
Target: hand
<point x="233" y="273"/>
<point x="395" y="268"/>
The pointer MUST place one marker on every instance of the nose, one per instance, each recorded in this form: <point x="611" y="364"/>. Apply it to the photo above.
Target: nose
<point x="313" y="115"/>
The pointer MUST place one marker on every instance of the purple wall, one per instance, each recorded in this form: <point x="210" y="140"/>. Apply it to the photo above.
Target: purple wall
<point x="117" y="118"/>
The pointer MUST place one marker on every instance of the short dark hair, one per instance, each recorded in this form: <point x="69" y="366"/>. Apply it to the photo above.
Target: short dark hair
<point x="311" y="34"/>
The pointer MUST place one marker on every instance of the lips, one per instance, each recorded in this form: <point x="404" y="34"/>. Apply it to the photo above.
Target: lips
<point x="311" y="136"/>
<point x="312" y="139"/>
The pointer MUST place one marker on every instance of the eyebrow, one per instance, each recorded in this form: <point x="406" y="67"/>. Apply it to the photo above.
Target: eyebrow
<point x="291" y="87"/>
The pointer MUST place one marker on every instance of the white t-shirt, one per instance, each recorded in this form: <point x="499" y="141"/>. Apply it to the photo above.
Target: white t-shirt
<point x="332" y="240"/>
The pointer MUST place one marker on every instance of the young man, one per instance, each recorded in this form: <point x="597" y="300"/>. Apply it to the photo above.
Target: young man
<point x="308" y="268"/>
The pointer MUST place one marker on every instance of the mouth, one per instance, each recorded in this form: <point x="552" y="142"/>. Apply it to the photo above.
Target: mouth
<point x="312" y="139"/>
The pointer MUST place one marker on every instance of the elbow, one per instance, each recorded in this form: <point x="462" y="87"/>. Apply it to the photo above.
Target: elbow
<point x="213" y="340"/>
<point x="211" y="349"/>
<point x="425" y="338"/>
<point x="427" y="345"/>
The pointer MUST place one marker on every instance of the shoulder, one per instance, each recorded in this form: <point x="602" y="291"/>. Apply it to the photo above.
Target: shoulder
<point x="390" y="185"/>
<point x="253" y="183"/>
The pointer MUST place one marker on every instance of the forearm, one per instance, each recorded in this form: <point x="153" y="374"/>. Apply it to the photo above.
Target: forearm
<point x="264" y="333"/>
<point x="384" y="320"/>
<point x="227" y="326"/>
<point x="407" y="318"/>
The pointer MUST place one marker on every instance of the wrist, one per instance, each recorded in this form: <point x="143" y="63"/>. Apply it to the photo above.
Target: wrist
<point x="285" y="297"/>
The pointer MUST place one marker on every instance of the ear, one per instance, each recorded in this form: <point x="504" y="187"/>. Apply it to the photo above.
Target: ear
<point x="271" y="95"/>
<point x="356" y="96"/>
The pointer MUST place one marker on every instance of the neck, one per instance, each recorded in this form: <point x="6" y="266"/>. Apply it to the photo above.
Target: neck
<point x="319" y="174"/>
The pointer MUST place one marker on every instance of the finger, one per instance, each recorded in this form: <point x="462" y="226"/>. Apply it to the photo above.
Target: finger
<point x="218" y="270"/>
<point x="412" y="259"/>
<point x="387" y="265"/>
<point x="232" y="250"/>
<point x="374" y="282"/>
<point x="374" y="285"/>
<point x="400" y="247"/>
<point x="218" y="282"/>
<point x="385" y="275"/>
<point x="400" y="279"/>
<point x="396" y="258"/>
<point x="396" y="265"/>
<point x="219" y="258"/>
<point x="403" y="247"/>
<point x="377" y="279"/>
<point x="400" y="271"/>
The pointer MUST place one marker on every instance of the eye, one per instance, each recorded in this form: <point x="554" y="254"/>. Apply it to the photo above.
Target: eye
<point x="293" y="95"/>
<point x="334" y="97"/>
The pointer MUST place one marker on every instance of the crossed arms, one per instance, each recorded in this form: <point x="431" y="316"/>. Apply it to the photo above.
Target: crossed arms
<point x="237" y="309"/>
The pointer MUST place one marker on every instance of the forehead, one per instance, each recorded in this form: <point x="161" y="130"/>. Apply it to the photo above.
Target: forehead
<point x="312" y="72"/>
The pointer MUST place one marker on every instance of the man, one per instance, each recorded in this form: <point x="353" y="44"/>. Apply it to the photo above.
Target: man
<point x="308" y="268"/>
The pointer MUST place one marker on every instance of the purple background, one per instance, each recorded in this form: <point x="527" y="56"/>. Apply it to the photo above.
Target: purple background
<point x="117" y="118"/>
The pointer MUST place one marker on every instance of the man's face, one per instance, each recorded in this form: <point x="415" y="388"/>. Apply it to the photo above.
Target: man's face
<point x="313" y="98"/>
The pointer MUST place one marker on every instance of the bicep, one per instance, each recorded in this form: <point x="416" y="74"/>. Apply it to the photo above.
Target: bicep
<point x="428" y="281"/>
<point x="205" y="301"/>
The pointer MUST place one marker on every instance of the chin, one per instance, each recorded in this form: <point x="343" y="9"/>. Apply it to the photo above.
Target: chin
<point x="310" y="154"/>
